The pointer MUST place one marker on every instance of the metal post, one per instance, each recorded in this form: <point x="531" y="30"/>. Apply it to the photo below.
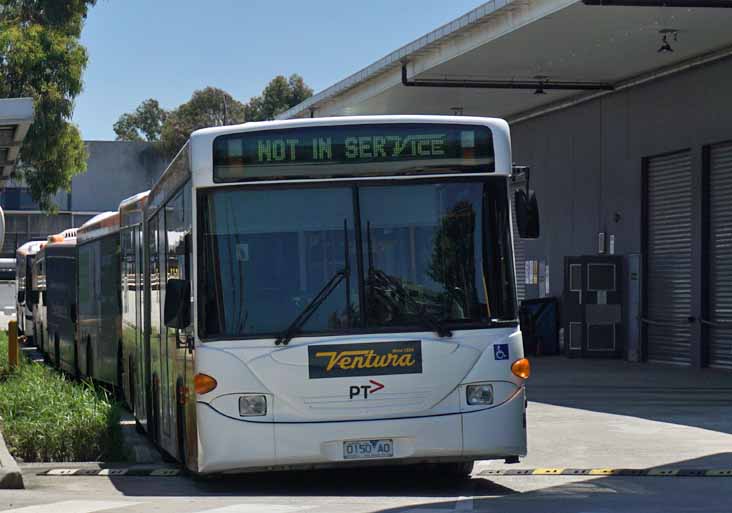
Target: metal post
<point x="13" y="345"/>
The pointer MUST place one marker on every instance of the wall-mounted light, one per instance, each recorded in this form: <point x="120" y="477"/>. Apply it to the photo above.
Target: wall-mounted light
<point x="667" y="34"/>
<point x="541" y="82"/>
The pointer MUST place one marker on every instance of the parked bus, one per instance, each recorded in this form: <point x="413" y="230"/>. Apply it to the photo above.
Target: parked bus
<point x="8" y="289"/>
<point x="328" y="292"/>
<point x="98" y="312"/>
<point x="59" y="257"/>
<point x="134" y="353"/>
<point x="24" y="257"/>
<point x="38" y="286"/>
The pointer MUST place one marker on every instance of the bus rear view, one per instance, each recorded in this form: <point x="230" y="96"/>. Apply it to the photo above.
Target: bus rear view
<point x="355" y="295"/>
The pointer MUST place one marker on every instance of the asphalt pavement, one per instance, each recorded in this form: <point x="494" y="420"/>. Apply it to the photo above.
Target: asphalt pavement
<point x="596" y="418"/>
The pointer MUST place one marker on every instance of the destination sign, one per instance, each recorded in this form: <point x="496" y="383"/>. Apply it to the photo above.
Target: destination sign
<point x="376" y="149"/>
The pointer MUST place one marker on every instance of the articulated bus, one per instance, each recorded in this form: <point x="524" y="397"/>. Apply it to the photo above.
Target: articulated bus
<point x="327" y="292"/>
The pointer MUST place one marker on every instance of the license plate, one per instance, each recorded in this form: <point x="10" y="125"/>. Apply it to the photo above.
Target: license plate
<point x="358" y="449"/>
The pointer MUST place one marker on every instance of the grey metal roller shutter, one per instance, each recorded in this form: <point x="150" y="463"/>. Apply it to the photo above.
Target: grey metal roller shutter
<point x="669" y="258"/>
<point x="720" y="256"/>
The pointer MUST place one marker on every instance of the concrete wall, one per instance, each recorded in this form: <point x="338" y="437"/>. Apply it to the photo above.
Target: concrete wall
<point x="115" y="170"/>
<point x="587" y="160"/>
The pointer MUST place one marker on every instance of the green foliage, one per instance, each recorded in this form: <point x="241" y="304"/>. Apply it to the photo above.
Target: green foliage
<point x="207" y="108"/>
<point x="41" y="57"/>
<point x="279" y="95"/>
<point x="47" y="417"/>
<point x="145" y="124"/>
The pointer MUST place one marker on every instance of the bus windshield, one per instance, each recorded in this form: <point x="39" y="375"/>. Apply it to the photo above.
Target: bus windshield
<point x="437" y="250"/>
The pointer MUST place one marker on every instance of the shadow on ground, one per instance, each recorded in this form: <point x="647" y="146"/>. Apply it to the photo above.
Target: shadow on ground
<point x="605" y="494"/>
<point x="699" y="398"/>
<point x="371" y="482"/>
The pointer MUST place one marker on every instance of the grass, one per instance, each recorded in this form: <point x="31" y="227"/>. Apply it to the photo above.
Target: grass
<point x="49" y="417"/>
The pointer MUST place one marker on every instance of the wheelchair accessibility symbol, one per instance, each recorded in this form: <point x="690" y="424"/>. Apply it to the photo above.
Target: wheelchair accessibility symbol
<point x="500" y="351"/>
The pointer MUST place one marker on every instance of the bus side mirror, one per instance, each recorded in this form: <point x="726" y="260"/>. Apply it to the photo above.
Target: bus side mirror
<point x="527" y="214"/>
<point x="21" y="296"/>
<point x="177" y="308"/>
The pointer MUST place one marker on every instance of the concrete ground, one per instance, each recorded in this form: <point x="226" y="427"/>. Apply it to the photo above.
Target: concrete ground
<point x="582" y="414"/>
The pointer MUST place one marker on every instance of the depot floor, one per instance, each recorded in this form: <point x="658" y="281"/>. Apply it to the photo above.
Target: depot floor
<point x="582" y="414"/>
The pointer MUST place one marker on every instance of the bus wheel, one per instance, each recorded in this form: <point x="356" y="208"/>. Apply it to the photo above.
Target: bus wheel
<point x="457" y="471"/>
<point x="131" y="384"/>
<point x="119" y="387"/>
<point x="154" y="416"/>
<point x="180" y="420"/>
<point x="89" y="361"/>
<point x="57" y="351"/>
<point x="77" y="368"/>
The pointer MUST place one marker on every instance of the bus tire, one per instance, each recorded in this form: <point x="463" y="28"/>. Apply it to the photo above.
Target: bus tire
<point x="154" y="416"/>
<point x="131" y="384"/>
<point x="89" y="360"/>
<point x="180" y="421"/>
<point x="77" y="367"/>
<point x="119" y="387"/>
<point x="57" y="351"/>
<point x="457" y="470"/>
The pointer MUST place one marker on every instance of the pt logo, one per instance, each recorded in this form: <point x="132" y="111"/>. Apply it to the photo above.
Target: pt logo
<point x="364" y="390"/>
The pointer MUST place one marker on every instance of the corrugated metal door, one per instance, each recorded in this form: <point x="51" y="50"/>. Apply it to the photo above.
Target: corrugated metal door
<point x="719" y="322"/>
<point x="669" y="208"/>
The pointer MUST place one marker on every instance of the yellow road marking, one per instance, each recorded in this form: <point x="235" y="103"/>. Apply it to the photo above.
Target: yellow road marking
<point x="547" y="471"/>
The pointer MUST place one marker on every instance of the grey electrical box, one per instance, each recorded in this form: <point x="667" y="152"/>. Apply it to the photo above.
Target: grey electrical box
<point x="592" y="306"/>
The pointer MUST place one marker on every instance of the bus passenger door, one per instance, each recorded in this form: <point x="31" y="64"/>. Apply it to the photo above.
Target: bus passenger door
<point x="178" y="227"/>
<point x="140" y="359"/>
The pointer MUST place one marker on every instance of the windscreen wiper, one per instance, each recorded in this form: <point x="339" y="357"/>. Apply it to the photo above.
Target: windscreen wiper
<point x="319" y="298"/>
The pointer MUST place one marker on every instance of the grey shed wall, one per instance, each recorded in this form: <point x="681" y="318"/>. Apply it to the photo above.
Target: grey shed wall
<point x="115" y="170"/>
<point x="587" y="168"/>
<point x="587" y="160"/>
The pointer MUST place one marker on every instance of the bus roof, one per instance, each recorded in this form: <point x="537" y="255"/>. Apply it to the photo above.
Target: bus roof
<point x="30" y="247"/>
<point x="98" y="226"/>
<point x="495" y="123"/>
<point x="136" y="202"/>
<point x="131" y="209"/>
<point x="201" y="141"/>
<point x="65" y="238"/>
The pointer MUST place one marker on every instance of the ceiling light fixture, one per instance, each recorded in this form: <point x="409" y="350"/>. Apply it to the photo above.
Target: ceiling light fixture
<point x="665" y="45"/>
<point x="542" y="80"/>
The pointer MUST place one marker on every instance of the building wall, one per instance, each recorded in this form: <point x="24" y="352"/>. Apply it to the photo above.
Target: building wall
<point x="587" y="170"/>
<point x="115" y="170"/>
<point x="587" y="160"/>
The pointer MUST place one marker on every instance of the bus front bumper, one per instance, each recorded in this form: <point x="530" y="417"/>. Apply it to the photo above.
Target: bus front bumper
<point x="232" y="445"/>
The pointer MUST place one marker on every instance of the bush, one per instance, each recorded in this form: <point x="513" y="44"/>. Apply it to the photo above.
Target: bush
<point x="48" y="417"/>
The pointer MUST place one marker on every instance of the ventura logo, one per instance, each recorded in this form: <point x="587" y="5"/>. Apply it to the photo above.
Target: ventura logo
<point x="365" y="360"/>
<point x="339" y="360"/>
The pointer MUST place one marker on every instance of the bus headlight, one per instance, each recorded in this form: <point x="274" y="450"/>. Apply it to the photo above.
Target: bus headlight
<point x="252" y="405"/>
<point x="479" y="394"/>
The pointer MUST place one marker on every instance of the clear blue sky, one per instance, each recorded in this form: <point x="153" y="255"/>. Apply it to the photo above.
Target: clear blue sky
<point x="166" y="49"/>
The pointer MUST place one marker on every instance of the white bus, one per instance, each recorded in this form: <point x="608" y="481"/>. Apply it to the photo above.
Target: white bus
<point x="26" y="297"/>
<point x="330" y="292"/>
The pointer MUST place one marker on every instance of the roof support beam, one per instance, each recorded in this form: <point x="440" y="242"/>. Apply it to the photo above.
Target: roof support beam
<point x="537" y="85"/>
<point x="662" y="3"/>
